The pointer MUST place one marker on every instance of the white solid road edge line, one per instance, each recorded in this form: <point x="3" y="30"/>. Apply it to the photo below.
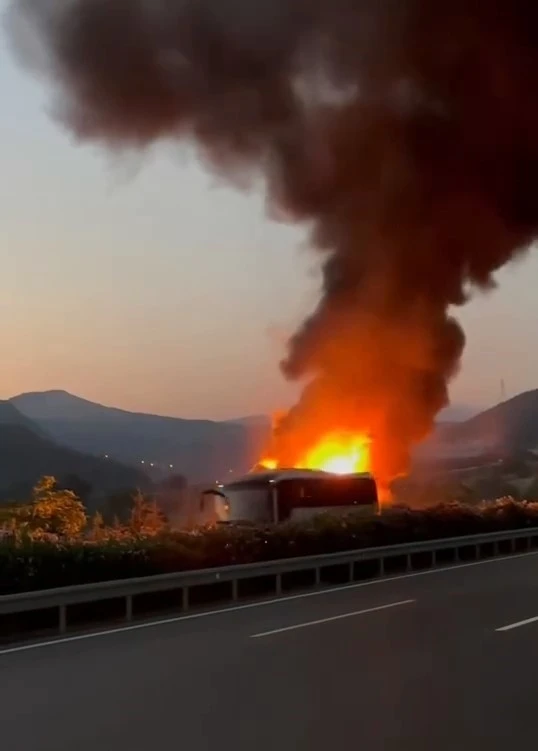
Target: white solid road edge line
<point x="262" y="603"/>
<point x="518" y="624"/>
<point x="333" y="618"/>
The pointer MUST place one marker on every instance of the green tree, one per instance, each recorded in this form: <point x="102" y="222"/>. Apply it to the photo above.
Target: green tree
<point x="54" y="511"/>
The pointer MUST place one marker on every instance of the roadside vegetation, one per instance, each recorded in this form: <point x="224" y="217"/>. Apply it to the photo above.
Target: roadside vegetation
<point x="51" y="542"/>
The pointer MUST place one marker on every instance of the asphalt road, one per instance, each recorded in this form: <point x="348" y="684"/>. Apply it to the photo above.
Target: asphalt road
<point x="413" y="663"/>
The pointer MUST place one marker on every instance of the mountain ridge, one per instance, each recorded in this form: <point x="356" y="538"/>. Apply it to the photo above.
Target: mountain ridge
<point x="27" y="453"/>
<point x="208" y="450"/>
<point x="10" y="415"/>
<point x="31" y="403"/>
<point x="199" y="449"/>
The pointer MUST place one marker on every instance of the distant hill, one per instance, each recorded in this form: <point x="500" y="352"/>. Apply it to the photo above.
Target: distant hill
<point x="456" y="413"/>
<point x="10" y="415"/>
<point x="506" y="429"/>
<point x="257" y="421"/>
<point x="512" y="424"/>
<point x="199" y="449"/>
<point x="26" y="454"/>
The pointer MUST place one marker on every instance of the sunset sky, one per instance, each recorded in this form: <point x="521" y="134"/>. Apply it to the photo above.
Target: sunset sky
<point x="144" y="283"/>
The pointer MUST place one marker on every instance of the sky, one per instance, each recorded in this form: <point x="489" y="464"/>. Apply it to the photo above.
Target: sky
<point x="143" y="282"/>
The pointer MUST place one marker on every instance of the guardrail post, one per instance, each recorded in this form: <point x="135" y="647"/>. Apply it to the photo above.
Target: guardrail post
<point x="408" y="562"/>
<point x="129" y="608"/>
<point x="351" y="572"/>
<point x="456" y="554"/>
<point x="381" y="567"/>
<point x="496" y="548"/>
<point x="317" y="576"/>
<point x="434" y="558"/>
<point x="235" y="590"/>
<point x="278" y="584"/>
<point x="185" y="598"/>
<point x="62" y="619"/>
<point x="512" y="545"/>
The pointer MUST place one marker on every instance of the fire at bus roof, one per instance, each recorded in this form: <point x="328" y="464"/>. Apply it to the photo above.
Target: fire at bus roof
<point x="261" y="474"/>
<point x="338" y="453"/>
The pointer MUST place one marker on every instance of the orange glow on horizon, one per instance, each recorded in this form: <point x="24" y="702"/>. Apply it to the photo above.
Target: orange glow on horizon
<point x="340" y="453"/>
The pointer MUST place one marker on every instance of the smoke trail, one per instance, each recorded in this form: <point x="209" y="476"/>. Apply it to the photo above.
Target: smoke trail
<point x="405" y="131"/>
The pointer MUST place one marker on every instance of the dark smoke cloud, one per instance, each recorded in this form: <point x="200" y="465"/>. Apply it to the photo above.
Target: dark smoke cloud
<point x="404" y="131"/>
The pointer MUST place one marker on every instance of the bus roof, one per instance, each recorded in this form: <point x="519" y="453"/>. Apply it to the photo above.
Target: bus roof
<point x="278" y="475"/>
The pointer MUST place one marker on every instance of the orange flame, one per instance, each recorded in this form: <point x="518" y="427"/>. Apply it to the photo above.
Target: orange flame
<point x="339" y="452"/>
<point x="269" y="464"/>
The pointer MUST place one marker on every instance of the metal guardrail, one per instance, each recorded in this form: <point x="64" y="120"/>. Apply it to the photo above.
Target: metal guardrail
<point x="475" y="547"/>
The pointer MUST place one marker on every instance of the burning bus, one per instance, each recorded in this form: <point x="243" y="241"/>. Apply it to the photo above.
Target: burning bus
<point x="283" y="494"/>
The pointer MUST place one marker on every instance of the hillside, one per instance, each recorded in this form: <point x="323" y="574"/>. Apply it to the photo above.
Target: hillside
<point x="512" y="425"/>
<point x="456" y="413"/>
<point x="25" y="456"/>
<point x="199" y="449"/>
<point x="10" y="415"/>
<point x="504" y="431"/>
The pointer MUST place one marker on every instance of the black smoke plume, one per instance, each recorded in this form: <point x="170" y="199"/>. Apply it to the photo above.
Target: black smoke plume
<point x="405" y="132"/>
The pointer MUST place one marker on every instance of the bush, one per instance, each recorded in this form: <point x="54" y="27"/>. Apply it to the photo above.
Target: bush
<point x="29" y="564"/>
<point x="52" y="511"/>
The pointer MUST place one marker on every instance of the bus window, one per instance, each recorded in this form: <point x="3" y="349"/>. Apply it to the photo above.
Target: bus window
<point x="291" y="494"/>
<point x="336" y="492"/>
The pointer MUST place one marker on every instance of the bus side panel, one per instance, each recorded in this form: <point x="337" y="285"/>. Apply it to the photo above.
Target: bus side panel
<point x="301" y="498"/>
<point x="308" y="512"/>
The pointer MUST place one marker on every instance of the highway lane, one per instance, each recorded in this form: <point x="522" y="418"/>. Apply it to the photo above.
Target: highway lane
<point x="415" y="662"/>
